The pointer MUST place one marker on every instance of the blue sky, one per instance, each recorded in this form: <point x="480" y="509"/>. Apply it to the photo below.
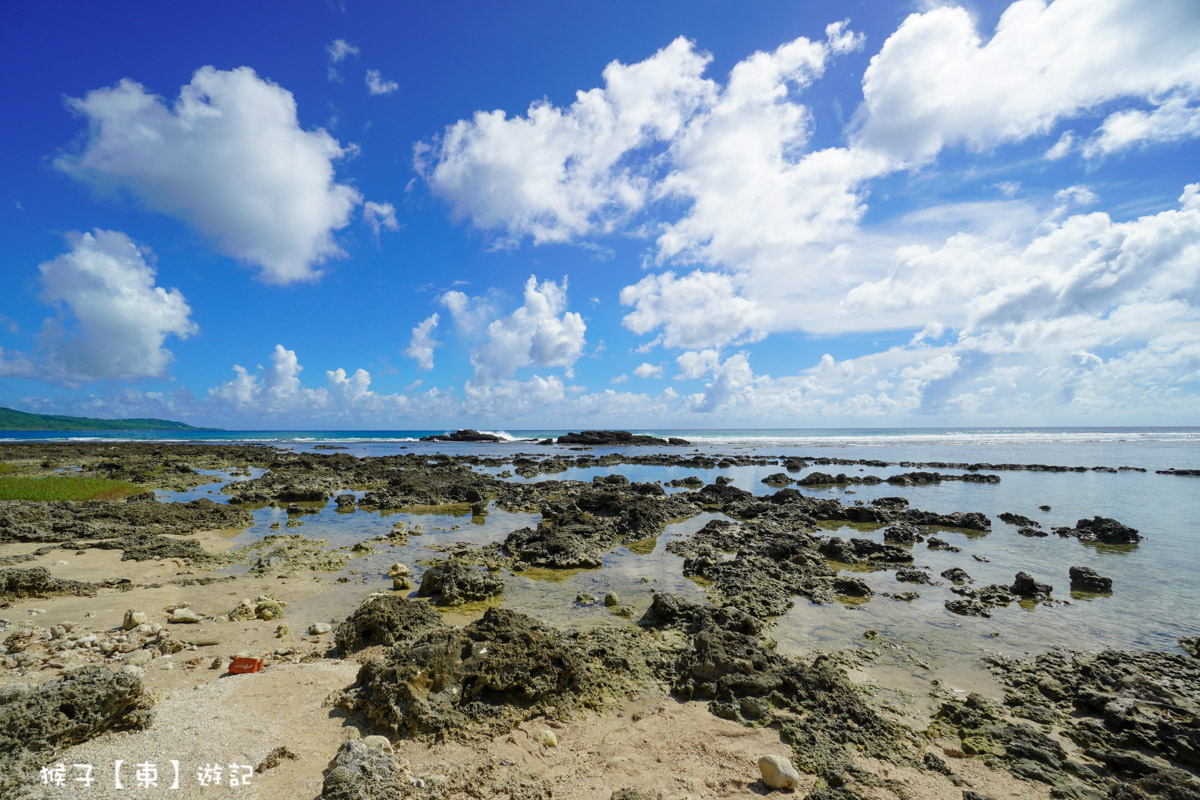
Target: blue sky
<point x="622" y="214"/>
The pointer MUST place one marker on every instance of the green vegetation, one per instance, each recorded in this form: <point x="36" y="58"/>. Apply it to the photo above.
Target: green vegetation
<point x="7" y="469"/>
<point x="62" y="487"/>
<point x="13" y="420"/>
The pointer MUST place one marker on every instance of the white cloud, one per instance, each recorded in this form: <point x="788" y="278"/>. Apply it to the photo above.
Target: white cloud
<point x="1171" y="121"/>
<point x="275" y="389"/>
<point x="113" y="321"/>
<point x="559" y="172"/>
<point x="380" y="216"/>
<point x="645" y="370"/>
<point x="539" y="333"/>
<point x="701" y="309"/>
<point x="693" y="364"/>
<point x="421" y="344"/>
<point x="376" y="85"/>
<point x="230" y="158"/>
<point x="935" y="82"/>
<point x="1060" y="148"/>
<point x="338" y="50"/>
<point x="470" y="314"/>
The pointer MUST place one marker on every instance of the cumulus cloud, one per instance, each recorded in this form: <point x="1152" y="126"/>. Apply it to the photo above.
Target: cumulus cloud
<point x="380" y="216"/>
<point x="1060" y="148"/>
<point x="539" y="333"/>
<point x="113" y="319"/>
<point x="228" y="157"/>
<point x="645" y="370"/>
<point x="420" y="346"/>
<point x="936" y="82"/>
<point x="376" y="85"/>
<point x="273" y="389"/>
<point x="1173" y="120"/>
<point x="701" y="309"/>
<point x="693" y="364"/>
<point x="556" y="173"/>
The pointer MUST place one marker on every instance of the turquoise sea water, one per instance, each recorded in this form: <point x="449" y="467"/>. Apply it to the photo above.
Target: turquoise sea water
<point x="1155" y="599"/>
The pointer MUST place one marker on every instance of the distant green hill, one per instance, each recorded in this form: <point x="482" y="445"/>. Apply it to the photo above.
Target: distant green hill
<point x="13" y="420"/>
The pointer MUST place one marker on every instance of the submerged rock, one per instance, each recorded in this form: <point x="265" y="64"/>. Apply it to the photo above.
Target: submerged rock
<point x="1101" y="529"/>
<point x="1087" y="579"/>
<point x="1025" y="586"/>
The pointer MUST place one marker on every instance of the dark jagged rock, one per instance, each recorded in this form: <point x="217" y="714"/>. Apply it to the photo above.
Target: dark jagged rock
<point x="930" y="478"/>
<point x="433" y="486"/>
<point x="1017" y="519"/>
<point x="777" y="479"/>
<point x="78" y="706"/>
<point x="575" y="532"/>
<point x="913" y="575"/>
<point x="1186" y="473"/>
<point x="722" y="495"/>
<point x="1086" y="579"/>
<point x="1191" y="644"/>
<point x="480" y="680"/>
<point x="618" y="439"/>
<point x="385" y="620"/>
<point x="690" y="482"/>
<point x="971" y="520"/>
<point x="345" y="502"/>
<point x="22" y="521"/>
<point x="968" y="607"/>
<point x="453" y="583"/>
<point x="892" y="503"/>
<point x="1026" y="587"/>
<point x="19" y="583"/>
<point x="852" y="587"/>
<point x="1101" y="529"/>
<point x="818" y="710"/>
<point x="956" y="575"/>
<point x="1033" y="532"/>
<point x="902" y="534"/>
<point x="150" y="546"/>
<point x="466" y="435"/>
<point x="935" y="543"/>
<point x="1118" y="707"/>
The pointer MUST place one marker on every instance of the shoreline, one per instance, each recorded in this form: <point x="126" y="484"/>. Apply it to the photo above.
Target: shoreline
<point x="325" y="583"/>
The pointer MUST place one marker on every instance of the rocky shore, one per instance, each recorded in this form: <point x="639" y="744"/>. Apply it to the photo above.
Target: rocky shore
<point x="427" y="679"/>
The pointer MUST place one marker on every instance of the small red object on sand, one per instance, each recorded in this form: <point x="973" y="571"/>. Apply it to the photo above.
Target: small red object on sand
<point x="243" y="665"/>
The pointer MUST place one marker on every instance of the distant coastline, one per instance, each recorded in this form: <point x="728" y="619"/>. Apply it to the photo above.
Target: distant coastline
<point x="13" y="420"/>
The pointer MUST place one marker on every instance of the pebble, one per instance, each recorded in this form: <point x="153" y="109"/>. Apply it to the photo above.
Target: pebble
<point x="546" y="738"/>
<point x="138" y="658"/>
<point x="183" y="614"/>
<point x="611" y="599"/>
<point x="133" y="619"/>
<point x="378" y="742"/>
<point x="318" y="628"/>
<point x="778" y="772"/>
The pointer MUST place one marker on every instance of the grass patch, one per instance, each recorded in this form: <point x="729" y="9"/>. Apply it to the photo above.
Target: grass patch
<point x="62" y="487"/>
<point x="7" y="469"/>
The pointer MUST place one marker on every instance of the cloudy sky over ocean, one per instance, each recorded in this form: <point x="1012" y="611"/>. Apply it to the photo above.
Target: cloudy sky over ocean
<point x="624" y="214"/>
